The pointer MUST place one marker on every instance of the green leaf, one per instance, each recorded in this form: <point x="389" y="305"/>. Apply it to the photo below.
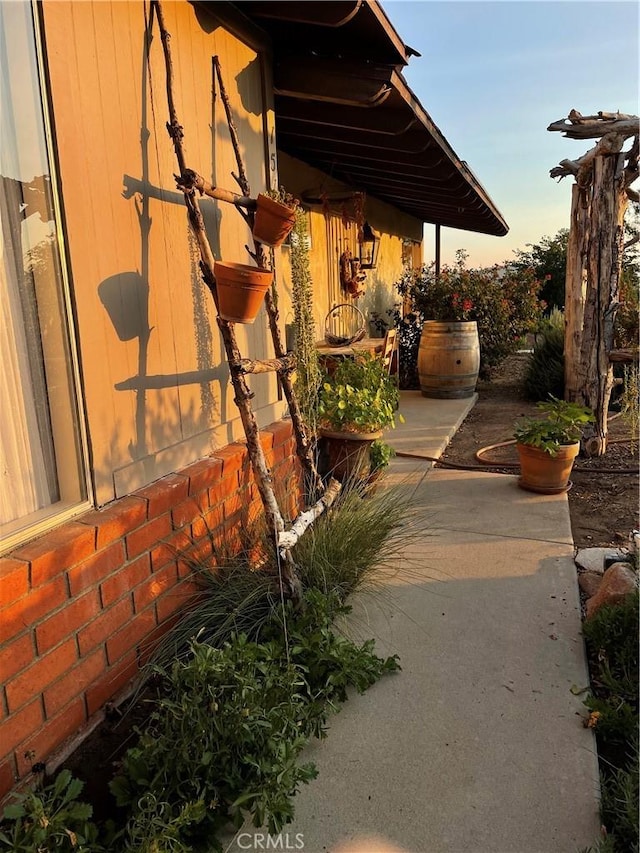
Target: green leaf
<point x="12" y="812"/>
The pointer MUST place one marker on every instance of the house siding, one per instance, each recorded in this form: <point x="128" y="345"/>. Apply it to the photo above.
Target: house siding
<point x="156" y="384"/>
<point x="81" y="607"/>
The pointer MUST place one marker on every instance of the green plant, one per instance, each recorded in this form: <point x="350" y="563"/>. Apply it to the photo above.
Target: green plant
<point x="308" y="372"/>
<point x="359" y="397"/>
<point x="357" y="541"/>
<point x="629" y="400"/>
<point x="283" y="197"/>
<point x="502" y="300"/>
<point x="619" y="807"/>
<point x="225" y="738"/>
<point x="545" y="369"/>
<point x="611" y="636"/>
<point x="50" y="818"/>
<point x="562" y="425"/>
<point x="380" y="454"/>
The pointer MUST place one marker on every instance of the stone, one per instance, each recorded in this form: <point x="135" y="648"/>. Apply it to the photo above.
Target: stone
<point x="589" y="582"/>
<point x="593" y="559"/>
<point x="618" y="581"/>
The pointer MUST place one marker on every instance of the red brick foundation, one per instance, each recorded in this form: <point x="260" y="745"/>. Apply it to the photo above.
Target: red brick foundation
<point x="79" y="605"/>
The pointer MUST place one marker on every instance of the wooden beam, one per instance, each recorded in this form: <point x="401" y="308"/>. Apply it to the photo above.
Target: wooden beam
<point x="271" y="365"/>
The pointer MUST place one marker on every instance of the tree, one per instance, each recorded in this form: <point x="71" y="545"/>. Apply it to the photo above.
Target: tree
<point x="548" y="258"/>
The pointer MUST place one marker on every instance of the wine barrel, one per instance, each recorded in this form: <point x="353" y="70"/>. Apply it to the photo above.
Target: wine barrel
<point x="448" y="359"/>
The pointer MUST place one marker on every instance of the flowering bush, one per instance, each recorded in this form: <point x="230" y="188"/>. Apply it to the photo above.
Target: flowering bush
<point x="502" y="300"/>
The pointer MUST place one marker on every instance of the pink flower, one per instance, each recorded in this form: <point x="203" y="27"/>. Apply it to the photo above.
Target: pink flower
<point x="467" y="305"/>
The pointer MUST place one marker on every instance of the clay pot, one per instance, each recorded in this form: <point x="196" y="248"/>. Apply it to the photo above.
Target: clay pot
<point x="348" y="453"/>
<point x="543" y="473"/>
<point x="240" y="290"/>
<point x="273" y="221"/>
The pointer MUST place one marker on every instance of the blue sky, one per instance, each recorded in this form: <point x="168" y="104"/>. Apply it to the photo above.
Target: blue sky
<point x="494" y="75"/>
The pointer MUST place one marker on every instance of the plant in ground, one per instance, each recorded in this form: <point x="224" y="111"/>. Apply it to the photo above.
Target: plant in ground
<point x="612" y="641"/>
<point x="357" y="541"/>
<point x="226" y="737"/>
<point x="502" y="300"/>
<point x="50" y="818"/>
<point x="545" y="368"/>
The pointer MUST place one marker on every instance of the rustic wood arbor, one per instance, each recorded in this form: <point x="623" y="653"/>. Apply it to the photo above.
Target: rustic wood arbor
<point x="283" y="364"/>
<point x="594" y="256"/>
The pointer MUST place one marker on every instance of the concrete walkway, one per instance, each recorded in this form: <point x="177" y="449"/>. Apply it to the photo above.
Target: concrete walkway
<point x="477" y="746"/>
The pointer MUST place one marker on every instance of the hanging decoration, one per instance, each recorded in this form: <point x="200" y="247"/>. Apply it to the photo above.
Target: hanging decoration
<point x="351" y="276"/>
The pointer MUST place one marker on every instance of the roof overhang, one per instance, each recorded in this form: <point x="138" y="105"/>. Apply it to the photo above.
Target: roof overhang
<point x="343" y="106"/>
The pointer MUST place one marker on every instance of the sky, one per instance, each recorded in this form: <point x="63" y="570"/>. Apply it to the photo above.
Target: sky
<point x="493" y="75"/>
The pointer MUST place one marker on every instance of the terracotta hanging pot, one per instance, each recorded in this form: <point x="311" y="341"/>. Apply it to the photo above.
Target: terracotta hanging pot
<point x="240" y="290"/>
<point x="543" y="473"/>
<point x="273" y="221"/>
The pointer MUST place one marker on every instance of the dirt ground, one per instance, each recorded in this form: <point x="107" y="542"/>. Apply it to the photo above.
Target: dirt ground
<point x="603" y="506"/>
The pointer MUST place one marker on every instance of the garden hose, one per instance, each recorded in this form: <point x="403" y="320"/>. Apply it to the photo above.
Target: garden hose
<point x="486" y="465"/>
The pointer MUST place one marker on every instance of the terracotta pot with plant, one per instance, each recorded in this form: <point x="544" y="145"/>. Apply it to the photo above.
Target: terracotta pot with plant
<point x="356" y="404"/>
<point x="547" y="446"/>
<point x="275" y="217"/>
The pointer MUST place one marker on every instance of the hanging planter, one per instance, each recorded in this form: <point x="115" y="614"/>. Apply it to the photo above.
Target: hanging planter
<point x="241" y="290"/>
<point x="273" y="221"/>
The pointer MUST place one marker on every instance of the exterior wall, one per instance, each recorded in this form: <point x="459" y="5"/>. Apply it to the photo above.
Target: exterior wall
<point x="329" y="236"/>
<point x="154" y="373"/>
<point x="80" y="606"/>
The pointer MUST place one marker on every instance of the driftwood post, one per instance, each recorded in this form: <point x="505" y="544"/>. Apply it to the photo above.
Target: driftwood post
<point x="594" y="257"/>
<point x="575" y="290"/>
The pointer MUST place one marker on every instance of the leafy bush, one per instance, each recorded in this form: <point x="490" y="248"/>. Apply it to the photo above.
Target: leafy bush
<point x="612" y="640"/>
<point x="226" y="737"/>
<point x="612" y="635"/>
<point x="545" y="369"/>
<point x="51" y="818"/>
<point x="503" y="301"/>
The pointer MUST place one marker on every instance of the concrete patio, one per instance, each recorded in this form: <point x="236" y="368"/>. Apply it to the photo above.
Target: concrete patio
<point x="478" y="744"/>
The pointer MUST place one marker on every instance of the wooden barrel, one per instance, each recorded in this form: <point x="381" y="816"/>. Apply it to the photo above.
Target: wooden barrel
<point x="448" y="359"/>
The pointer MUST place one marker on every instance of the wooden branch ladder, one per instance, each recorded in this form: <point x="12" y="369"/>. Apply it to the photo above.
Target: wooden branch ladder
<point x="191" y="185"/>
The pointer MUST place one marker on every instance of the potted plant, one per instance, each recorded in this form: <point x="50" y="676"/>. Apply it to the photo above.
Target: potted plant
<point x="356" y="404"/>
<point x="275" y="217"/>
<point x="548" y="445"/>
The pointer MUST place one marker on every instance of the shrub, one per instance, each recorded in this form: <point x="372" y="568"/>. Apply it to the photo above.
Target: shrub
<point x="51" y="818"/>
<point x="226" y="737"/>
<point x="612" y="639"/>
<point x="545" y="369"/>
<point x="502" y="300"/>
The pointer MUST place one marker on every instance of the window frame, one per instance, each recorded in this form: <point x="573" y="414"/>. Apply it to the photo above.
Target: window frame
<point x="41" y="521"/>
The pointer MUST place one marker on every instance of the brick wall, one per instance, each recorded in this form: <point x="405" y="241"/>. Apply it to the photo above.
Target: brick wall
<point x="80" y="605"/>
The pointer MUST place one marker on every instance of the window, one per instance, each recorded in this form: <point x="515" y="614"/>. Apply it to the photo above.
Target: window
<point x="40" y="460"/>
